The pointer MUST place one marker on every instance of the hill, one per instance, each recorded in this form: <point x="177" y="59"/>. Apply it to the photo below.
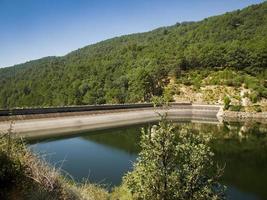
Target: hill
<point x="227" y="50"/>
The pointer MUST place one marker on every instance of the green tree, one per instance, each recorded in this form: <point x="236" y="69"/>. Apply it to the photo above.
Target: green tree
<point x="140" y="85"/>
<point x="174" y="165"/>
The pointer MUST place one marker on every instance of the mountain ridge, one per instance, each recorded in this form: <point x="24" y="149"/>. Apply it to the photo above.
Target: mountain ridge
<point x="130" y="34"/>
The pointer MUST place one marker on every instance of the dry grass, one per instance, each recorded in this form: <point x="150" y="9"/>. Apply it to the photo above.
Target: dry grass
<point x="24" y="175"/>
<point x="121" y="193"/>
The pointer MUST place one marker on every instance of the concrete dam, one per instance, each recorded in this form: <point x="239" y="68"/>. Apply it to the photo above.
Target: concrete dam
<point x="38" y="122"/>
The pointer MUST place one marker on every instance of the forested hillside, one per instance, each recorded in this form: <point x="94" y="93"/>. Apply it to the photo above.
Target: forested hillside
<point x="134" y="68"/>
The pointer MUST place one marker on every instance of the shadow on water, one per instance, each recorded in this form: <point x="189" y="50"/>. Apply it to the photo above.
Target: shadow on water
<point x="105" y="156"/>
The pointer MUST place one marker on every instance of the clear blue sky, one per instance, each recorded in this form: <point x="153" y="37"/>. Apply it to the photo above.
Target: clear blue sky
<point x="31" y="29"/>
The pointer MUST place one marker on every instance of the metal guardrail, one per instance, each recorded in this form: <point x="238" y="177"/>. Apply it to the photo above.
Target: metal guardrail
<point x="30" y="111"/>
<point x="4" y="112"/>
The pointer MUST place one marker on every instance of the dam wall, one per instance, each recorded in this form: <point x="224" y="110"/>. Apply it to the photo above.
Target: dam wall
<point x="53" y="126"/>
<point x="65" y="109"/>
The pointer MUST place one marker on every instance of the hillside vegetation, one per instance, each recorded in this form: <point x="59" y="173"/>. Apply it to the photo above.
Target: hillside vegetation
<point x="230" y="49"/>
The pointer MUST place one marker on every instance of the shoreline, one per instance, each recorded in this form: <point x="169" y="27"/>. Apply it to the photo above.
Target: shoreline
<point x="260" y="117"/>
<point x="54" y="124"/>
<point x="51" y="125"/>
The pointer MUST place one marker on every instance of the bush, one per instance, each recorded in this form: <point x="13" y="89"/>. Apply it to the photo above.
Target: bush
<point x="236" y="108"/>
<point x="261" y="91"/>
<point x="121" y="193"/>
<point x="168" y="94"/>
<point x="254" y="97"/>
<point x="257" y="108"/>
<point x="10" y="173"/>
<point x="173" y="165"/>
<point x="157" y="101"/>
<point x="226" y="101"/>
<point x="11" y="169"/>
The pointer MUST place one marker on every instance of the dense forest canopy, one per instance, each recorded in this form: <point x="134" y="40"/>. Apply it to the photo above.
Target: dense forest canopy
<point x="134" y="68"/>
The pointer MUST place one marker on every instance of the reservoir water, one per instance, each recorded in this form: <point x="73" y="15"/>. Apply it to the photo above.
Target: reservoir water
<point x="105" y="156"/>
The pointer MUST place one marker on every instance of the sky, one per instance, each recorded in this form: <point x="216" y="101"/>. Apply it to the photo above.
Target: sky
<point x="31" y="29"/>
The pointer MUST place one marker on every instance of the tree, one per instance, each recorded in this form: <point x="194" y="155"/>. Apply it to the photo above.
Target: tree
<point x="174" y="165"/>
<point x="140" y="85"/>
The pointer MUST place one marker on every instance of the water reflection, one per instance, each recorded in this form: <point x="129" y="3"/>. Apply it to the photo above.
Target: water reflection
<point x="104" y="156"/>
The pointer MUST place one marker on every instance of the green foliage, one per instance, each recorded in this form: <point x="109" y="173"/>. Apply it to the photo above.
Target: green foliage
<point x="226" y="101"/>
<point x="157" y="101"/>
<point x="135" y="67"/>
<point x="173" y="165"/>
<point x="10" y="166"/>
<point x="168" y="94"/>
<point x="254" y="97"/>
<point x="228" y="77"/>
<point x="121" y="193"/>
<point x="236" y="108"/>
<point x="257" y="108"/>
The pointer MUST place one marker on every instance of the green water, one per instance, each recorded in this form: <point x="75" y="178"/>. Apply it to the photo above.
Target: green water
<point x="105" y="156"/>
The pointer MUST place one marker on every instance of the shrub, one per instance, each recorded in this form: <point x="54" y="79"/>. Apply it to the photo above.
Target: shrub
<point x="261" y="91"/>
<point x="173" y="165"/>
<point x="168" y="94"/>
<point x="10" y="165"/>
<point x="157" y="101"/>
<point x="226" y="101"/>
<point x="121" y="193"/>
<point x="236" y="108"/>
<point x="264" y="93"/>
<point x="257" y="108"/>
<point x="251" y="82"/>
<point x="10" y="173"/>
<point x="254" y="97"/>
